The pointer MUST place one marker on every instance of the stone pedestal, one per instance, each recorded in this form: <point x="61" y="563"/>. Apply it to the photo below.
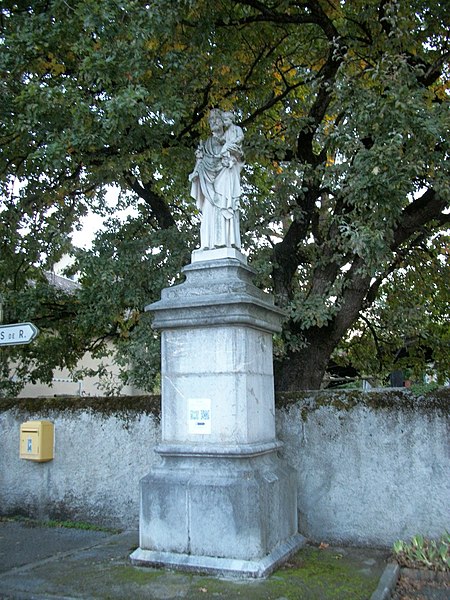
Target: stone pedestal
<point x="223" y="501"/>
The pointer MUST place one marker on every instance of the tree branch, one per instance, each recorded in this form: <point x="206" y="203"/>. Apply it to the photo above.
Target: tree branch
<point x="375" y="339"/>
<point x="267" y="14"/>
<point x="423" y="210"/>
<point x="158" y="207"/>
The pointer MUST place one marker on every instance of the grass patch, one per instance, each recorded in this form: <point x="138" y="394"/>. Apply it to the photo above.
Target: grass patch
<point x="28" y="522"/>
<point x="137" y="575"/>
<point x="312" y="574"/>
<point x="323" y="573"/>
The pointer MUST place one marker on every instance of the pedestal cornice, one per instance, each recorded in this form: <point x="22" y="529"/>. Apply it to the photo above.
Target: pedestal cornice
<point x="216" y="292"/>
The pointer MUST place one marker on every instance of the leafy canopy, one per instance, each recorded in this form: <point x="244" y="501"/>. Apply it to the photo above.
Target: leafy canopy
<point x="345" y="112"/>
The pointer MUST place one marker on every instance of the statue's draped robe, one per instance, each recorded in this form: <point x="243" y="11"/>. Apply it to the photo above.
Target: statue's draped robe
<point x="217" y="190"/>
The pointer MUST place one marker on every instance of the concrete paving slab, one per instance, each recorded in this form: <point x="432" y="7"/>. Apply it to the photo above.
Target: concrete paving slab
<point x="68" y="564"/>
<point x="23" y="542"/>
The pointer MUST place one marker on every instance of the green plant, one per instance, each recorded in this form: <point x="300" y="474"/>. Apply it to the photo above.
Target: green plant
<point x="29" y="522"/>
<point x="422" y="552"/>
<point x="423" y="388"/>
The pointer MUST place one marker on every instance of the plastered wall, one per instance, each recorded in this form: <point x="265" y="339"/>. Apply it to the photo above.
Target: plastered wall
<point x="372" y="467"/>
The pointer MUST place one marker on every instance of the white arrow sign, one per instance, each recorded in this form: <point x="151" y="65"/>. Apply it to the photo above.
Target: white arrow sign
<point x="20" y="333"/>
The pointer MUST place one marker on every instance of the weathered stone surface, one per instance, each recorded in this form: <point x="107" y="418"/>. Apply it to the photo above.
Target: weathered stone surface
<point x="216" y="344"/>
<point x="216" y="292"/>
<point x="236" y="508"/>
<point x="223" y="567"/>
<point x="222" y="491"/>
<point x="217" y="254"/>
<point x="231" y="366"/>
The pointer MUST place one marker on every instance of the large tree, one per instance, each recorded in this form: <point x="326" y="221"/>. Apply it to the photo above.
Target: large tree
<point x="345" y="112"/>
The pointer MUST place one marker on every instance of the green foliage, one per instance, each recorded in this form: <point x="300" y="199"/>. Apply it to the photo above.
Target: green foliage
<point x="421" y="389"/>
<point x="424" y="553"/>
<point x="345" y="112"/>
<point x="408" y="324"/>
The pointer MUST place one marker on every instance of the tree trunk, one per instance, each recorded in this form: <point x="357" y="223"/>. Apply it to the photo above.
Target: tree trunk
<point x="305" y="368"/>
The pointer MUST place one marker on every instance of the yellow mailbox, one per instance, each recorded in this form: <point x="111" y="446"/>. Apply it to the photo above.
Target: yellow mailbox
<point x="36" y="440"/>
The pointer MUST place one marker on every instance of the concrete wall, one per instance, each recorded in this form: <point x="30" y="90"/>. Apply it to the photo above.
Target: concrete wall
<point x="373" y="467"/>
<point x="102" y="449"/>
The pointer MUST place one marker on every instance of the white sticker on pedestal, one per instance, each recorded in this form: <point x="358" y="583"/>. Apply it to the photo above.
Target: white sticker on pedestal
<point x="199" y="415"/>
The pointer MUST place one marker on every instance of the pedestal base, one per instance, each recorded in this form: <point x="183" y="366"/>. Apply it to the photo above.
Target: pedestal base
<point x="218" y="254"/>
<point x="234" y="514"/>
<point x="221" y="567"/>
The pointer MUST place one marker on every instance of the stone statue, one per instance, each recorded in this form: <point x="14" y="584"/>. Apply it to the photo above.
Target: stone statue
<point x="216" y="182"/>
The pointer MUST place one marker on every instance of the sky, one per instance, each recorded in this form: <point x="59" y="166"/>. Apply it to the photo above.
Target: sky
<point x="90" y="224"/>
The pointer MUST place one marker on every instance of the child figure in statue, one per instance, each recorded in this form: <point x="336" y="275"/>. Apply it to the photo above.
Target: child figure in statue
<point x="233" y="138"/>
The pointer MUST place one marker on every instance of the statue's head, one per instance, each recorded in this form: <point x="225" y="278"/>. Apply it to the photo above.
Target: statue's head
<point x="215" y="121"/>
<point x="228" y="118"/>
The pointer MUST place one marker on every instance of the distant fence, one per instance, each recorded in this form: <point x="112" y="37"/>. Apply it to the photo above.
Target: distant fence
<point x="372" y="466"/>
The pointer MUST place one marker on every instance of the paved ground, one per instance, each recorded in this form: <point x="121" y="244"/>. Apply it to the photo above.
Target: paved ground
<point x="47" y="563"/>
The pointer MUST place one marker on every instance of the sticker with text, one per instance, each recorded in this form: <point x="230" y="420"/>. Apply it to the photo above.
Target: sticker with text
<point x="199" y="415"/>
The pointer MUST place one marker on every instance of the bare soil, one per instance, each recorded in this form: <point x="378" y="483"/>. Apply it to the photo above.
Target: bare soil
<point x="420" y="584"/>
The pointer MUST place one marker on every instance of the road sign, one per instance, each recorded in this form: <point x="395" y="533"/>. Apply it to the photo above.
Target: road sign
<point x="19" y="333"/>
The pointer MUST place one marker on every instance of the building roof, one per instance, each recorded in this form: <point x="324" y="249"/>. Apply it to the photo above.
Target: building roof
<point x="62" y="283"/>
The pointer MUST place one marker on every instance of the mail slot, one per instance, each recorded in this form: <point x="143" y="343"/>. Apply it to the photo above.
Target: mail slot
<point x="36" y="440"/>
